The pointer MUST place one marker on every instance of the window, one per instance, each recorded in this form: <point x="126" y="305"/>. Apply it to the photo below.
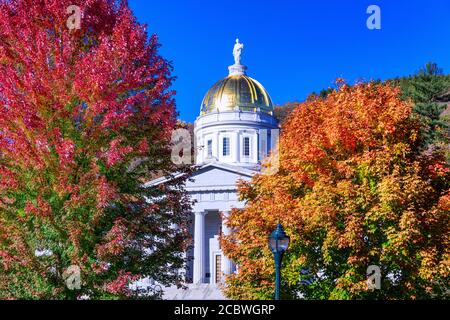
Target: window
<point x="226" y="146"/>
<point x="209" y="148"/>
<point x="246" y="147"/>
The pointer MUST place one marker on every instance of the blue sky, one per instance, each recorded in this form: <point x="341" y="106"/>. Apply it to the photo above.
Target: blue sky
<point x="294" y="47"/>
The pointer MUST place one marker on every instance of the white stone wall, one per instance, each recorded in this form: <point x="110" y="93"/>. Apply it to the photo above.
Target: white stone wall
<point x="234" y="125"/>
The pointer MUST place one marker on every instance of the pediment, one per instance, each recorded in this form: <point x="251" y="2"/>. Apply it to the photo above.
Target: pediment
<point x="218" y="176"/>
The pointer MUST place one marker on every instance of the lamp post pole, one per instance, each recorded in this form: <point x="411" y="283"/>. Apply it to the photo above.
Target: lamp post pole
<point x="278" y="244"/>
<point x="278" y="256"/>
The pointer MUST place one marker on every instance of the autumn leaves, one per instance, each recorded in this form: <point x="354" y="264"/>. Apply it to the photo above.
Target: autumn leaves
<point x="354" y="189"/>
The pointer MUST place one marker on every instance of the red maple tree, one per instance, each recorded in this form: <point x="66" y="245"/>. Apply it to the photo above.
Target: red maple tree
<point x="86" y="116"/>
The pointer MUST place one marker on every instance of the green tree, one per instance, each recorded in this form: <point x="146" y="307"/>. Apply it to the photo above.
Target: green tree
<point x="425" y="89"/>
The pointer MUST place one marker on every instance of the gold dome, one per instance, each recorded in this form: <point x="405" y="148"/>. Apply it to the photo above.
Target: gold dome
<point x="237" y="91"/>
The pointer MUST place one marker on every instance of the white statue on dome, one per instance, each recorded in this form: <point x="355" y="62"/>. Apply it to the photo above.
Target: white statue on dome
<point x="237" y="52"/>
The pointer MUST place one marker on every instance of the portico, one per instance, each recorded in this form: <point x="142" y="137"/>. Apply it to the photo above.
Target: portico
<point x="207" y="262"/>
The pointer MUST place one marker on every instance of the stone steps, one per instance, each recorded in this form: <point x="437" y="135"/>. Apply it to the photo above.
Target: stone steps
<point x="204" y="291"/>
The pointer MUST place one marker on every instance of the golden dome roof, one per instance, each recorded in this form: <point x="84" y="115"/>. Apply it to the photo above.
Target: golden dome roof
<point x="237" y="91"/>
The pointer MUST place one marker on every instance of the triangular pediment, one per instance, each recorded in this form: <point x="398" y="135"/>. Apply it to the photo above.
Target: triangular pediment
<point x="218" y="176"/>
<point x="213" y="175"/>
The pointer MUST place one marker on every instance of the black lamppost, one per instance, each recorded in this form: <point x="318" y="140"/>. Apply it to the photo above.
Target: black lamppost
<point x="278" y="243"/>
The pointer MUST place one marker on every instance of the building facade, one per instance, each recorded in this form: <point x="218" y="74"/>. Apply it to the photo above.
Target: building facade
<point x="234" y="132"/>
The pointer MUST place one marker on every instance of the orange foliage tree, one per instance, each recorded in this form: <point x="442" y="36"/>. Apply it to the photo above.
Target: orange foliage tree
<point x="352" y="190"/>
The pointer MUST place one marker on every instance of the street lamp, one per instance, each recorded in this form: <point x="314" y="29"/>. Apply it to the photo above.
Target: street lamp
<point x="278" y="243"/>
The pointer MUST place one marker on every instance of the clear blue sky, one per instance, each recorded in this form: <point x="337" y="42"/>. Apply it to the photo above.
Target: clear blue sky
<point x="294" y="47"/>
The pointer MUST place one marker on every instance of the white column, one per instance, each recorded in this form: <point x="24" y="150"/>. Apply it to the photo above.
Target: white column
<point x="216" y="146"/>
<point x="254" y="149"/>
<point x="237" y="142"/>
<point x="199" y="247"/>
<point x="198" y="150"/>
<point x="262" y="144"/>
<point x="227" y="265"/>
